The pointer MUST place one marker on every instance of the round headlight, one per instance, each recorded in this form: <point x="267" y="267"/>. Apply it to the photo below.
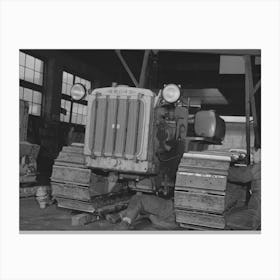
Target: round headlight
<point x="77" y="91"/>
<point x="171" y="93"/>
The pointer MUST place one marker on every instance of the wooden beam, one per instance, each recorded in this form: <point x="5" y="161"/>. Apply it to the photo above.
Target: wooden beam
<point x="118" y="52"/>
<point x="247" y="104"/>
<point x="142" y="80"/>
<point x="222" y="51"/>
<point x="257" y="86"/>
<point x="249" y="92"/>
<point x="252" y="100"/>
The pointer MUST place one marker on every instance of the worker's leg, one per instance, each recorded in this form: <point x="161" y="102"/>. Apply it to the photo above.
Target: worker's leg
<point x="149" y="204"/>
<point x="130" y="214"/>
<point x="160" y="211"/>
<point x="134" y="208"/>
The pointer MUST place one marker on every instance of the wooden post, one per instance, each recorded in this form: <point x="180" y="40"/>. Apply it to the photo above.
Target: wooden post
<point x="126" y="68"/>
<point x="247" y="60"/>
<point x="51" y="106"/>
<point x="249" y="79"/>
<point x="257" y="86"/>
<point x="143" y="74"/>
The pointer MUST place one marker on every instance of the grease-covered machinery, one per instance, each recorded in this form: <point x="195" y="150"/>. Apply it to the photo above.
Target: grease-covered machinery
<point x="134" y="139"/>
<point x="138" y="136"/>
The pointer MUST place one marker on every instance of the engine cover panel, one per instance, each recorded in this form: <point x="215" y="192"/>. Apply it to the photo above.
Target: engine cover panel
<point x="118" y="130"/>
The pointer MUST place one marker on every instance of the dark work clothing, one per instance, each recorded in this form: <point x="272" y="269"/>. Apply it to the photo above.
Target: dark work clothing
<point x="248" y="174"/>
<point x="160" y="210"/>
<point x="169" y="160"/>
<point x="245" y="174"/>
<point x="251" y="217"/>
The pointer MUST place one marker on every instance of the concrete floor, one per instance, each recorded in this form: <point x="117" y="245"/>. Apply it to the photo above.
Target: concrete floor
<point x="53" y="218"/>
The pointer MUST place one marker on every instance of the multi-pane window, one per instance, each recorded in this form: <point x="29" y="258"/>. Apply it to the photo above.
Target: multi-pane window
<point x="31" y="82"/>
<point x="65" y="104"/>
<point x="74" y="111"/>
<point x="30" y="69"/>
<point x="79" y="114"/>
<point x="34" y="99"/>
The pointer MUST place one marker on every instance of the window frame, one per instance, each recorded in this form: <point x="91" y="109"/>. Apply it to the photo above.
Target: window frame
<point x="68" y="97"/>
<point x="33" y="86"/>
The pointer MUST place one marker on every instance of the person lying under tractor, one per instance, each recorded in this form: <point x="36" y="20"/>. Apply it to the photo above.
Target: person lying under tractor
<point x="249" y="217"/>
<point x="161" y="211"/>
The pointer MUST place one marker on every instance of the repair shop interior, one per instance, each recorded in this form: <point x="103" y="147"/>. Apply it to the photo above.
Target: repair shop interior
<point x="140" y="140"/>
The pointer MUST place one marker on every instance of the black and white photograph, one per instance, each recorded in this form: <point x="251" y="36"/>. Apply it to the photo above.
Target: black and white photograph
<point x="140" y="139"/>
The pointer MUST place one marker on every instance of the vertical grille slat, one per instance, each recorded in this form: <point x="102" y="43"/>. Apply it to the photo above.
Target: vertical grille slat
<point x="100" y="125"/>
<point x="92" y="125"/>
<point x="111" y="126"/>
<point x="121" y="131"/>
<point x="105" y="124"/>
<point x="116" y="123"/>
<point x="131" y="136"/>
<point x="140" y="127"/>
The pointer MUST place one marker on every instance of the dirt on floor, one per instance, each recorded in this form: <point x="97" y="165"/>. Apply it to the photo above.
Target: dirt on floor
<point x="53" y="218"/>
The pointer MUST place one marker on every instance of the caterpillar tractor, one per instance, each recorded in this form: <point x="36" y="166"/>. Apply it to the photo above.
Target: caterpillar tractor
<point x="134" y="141"/>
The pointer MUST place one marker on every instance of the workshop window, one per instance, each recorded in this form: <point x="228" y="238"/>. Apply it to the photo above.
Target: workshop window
<point x="31" y="72"/>
<point x="73" y="111"/>
<point x="30" y="69"/>
<point x="34" y="99"/>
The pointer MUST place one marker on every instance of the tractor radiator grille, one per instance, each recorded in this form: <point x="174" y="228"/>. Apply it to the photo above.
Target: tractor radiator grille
<point x="119" y="123"/>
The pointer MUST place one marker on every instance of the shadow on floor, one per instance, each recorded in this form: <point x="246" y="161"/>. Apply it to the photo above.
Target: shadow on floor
<point x="53" y="218"/>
